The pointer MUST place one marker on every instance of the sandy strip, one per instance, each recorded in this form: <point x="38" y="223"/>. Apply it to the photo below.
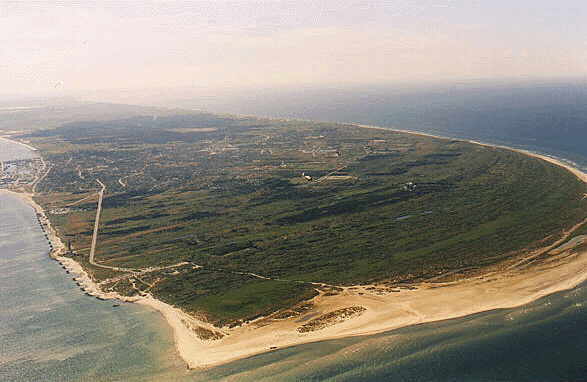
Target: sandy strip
<point x="5" y="138"/>
<point x="392" y="311"/>
<point x="384" y="312"/>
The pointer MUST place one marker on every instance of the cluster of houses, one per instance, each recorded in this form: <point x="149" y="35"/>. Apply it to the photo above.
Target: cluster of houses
<point x="410" y="186"/>
<point x="19" y="172"/>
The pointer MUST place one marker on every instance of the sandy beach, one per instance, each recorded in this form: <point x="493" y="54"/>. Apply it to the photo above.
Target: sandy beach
<point x="6" y="138"/>
<point x="396" y="310"/>
<point x="505" y="287"/>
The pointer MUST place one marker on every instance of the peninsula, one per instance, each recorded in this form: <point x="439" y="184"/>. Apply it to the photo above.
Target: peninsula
<point x="251" y="234"/>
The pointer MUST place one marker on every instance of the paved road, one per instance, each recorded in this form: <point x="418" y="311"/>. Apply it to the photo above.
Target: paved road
<point x="97" y="222"/>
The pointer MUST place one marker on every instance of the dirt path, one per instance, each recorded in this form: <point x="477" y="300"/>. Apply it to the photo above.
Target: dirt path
<point x="40" y="178"/>
<point x="81" y="200"/>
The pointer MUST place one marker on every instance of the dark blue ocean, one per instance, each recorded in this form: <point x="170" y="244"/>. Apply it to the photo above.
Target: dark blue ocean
<point x="550" y="117"/>
<point x="49" y="331"/>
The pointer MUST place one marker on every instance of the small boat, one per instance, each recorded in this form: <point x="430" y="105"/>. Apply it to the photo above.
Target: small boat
<point x="115" y="305"/>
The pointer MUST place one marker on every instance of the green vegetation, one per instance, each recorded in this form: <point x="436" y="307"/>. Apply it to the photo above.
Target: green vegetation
<point x="226" y="298"/>
<point x="227" y="196"/>
<point x="331" y="318"/>
<point x="582" y="230"/>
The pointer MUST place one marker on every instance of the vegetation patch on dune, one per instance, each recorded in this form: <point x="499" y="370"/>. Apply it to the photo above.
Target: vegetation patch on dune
<point x="331" y="318"/>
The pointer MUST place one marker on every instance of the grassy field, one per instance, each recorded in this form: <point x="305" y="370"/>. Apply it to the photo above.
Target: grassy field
<point x="244" y="199"/>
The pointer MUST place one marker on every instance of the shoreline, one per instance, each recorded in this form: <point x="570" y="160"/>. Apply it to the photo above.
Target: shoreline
<point x="79" y="275"/>
<point x="430" y="302"/>
<point x="7" y="138"/>
<point x="574" y="170"/>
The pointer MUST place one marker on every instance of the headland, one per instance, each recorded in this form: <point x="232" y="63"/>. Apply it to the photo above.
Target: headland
<point x="359" y="309"/>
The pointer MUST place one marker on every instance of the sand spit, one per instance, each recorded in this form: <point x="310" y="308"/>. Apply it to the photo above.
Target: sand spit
<point x="7" y="138"/>
<point x="391" y="311"/>
<point x="381" y="309"/>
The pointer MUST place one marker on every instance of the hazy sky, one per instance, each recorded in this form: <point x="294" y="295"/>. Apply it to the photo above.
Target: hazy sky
<point x="57" y="47"/>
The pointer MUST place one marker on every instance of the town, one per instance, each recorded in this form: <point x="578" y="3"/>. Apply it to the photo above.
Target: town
<point x="20" y="173"/>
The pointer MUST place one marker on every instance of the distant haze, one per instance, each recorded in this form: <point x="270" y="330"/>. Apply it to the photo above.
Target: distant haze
<point x="70" y="48"/>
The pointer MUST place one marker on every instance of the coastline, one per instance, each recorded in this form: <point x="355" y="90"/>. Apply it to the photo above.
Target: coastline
<point x="6" y="138"/>
<point x="575" y="171"/>
<point x="81" y="276"/>
<point x="430" y="302"/>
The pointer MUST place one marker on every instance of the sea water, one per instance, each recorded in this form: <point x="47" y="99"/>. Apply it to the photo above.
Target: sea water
<point x="12" y="151"/>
